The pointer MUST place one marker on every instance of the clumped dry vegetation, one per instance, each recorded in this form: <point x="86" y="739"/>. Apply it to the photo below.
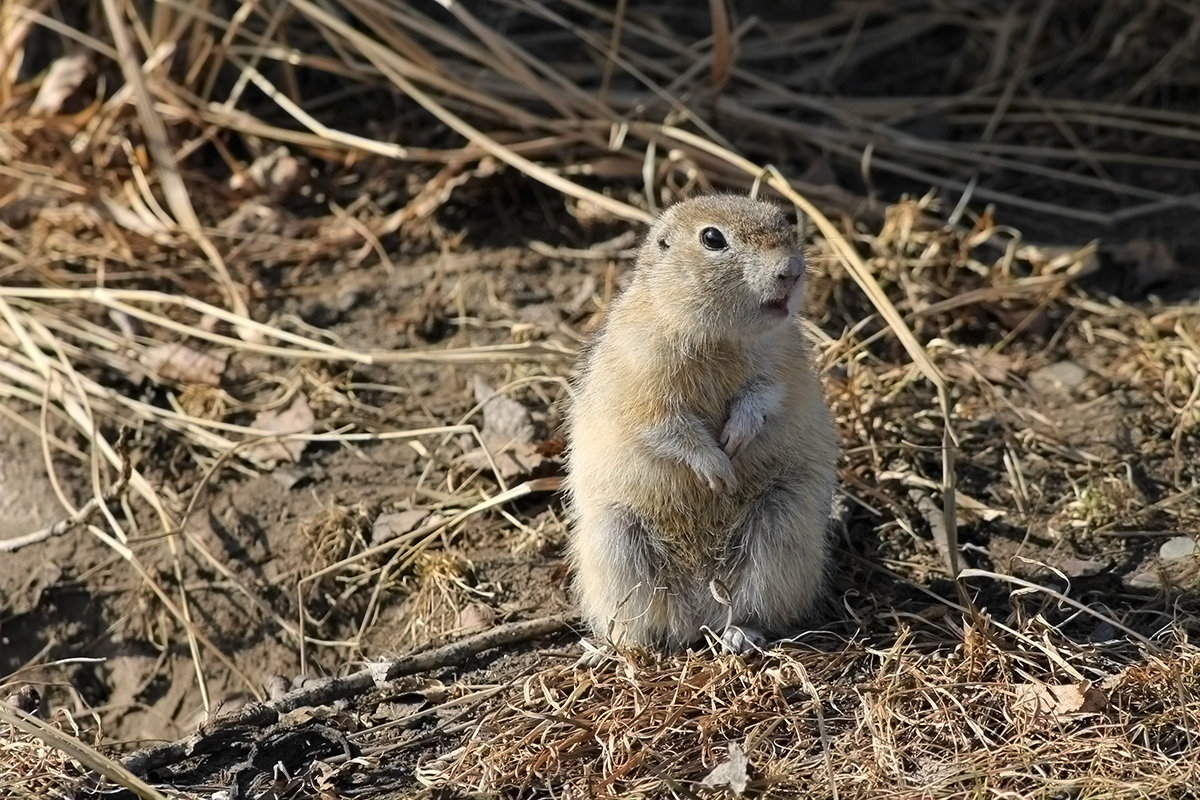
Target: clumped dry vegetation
<point x="289" y="291"/>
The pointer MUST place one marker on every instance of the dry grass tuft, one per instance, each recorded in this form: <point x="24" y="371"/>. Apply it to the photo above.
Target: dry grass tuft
<point x="936" y="708"/>
<point x="31" y="768"/>
<point x="56" y="760"/>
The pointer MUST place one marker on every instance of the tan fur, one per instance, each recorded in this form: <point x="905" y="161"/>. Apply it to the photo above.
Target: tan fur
<point x="690" y="336"/>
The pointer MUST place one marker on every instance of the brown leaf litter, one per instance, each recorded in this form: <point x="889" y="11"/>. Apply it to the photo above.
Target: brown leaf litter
<point x="297" y="418"/>
<point x="883" y="719"/>
<point x="508" y="446"/>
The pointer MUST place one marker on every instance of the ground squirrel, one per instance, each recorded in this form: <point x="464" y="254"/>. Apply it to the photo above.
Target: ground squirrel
<point x="701" y="455"/>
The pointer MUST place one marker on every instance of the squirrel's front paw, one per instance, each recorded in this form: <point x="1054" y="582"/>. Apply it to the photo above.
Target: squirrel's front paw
<point x="744" y="424"/>
<point x="715" y="469"/>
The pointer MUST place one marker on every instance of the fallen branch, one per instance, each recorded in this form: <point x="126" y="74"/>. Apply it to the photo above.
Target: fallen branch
<point x="330" y="690"/>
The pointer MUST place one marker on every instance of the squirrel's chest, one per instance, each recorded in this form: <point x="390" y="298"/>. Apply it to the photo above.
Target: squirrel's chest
<point x="703" y="386"/>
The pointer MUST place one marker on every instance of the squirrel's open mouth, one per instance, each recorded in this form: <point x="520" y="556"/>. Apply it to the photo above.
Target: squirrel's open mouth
<point x="777" y="307"/>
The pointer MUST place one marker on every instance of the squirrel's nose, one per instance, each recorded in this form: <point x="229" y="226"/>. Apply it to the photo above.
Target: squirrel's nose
<point x="792" y="269"/>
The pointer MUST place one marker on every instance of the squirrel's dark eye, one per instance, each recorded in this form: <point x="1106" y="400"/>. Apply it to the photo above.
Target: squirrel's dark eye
<point x="713" y="239"/>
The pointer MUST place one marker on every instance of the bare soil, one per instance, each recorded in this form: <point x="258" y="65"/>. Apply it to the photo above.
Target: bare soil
<point x="70" y="595"/>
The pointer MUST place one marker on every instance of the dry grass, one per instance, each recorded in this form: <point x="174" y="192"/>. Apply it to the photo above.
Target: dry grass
<point x="32" y="768"/>
<point x="153" y="192"/>
<point x="936" y="708"/>
<point x="55" y="760"/>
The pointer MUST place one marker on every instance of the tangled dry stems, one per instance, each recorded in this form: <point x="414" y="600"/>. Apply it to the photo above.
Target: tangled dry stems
<point x="936" y="707"/>
<point x="31" y="768"/>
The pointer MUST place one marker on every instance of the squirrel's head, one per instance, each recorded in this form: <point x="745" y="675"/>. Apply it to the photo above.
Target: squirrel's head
<point x="730" y="264"/>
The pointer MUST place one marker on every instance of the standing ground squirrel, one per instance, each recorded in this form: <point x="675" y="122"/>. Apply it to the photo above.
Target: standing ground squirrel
<point x="702" y="457"/>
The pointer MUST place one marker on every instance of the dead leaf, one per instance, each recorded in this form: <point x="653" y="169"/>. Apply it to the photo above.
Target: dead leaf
<point x="389" y="526"/>
<point x="414" y="687"/>
<point x="178" y="362"/>
<point x="1058" y="701"/>
<point x="507" y="434"/>
<point x="409" y="696"/>
<point x="475" y="617"/>
<point x="65" y="75"/>
<point x="971" y="509"/>
<point x="512" y="458"/>
<point x="1151" y="260"/>
<point x="296" y="418"/>
<point x="327" y="715"/>
<point x="503" y="417"/>
<point x="731" y="773"/>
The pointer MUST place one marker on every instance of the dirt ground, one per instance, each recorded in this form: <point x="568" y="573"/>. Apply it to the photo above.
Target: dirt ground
<point x="70" y="596"/>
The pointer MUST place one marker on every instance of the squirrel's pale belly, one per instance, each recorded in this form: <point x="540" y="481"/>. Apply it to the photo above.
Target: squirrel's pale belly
<point x="615" y="470"/>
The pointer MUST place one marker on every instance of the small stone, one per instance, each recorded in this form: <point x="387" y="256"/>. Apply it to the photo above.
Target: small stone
<point x="289" y="477"/>
<point x="1060" y="376"/>
<point x="1177" y="548"/>
<point x="26" y="698"/>
<point x="1103" y="632"/>
<point x="1082" y="567"/>
<point x="1143" y="579"/>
